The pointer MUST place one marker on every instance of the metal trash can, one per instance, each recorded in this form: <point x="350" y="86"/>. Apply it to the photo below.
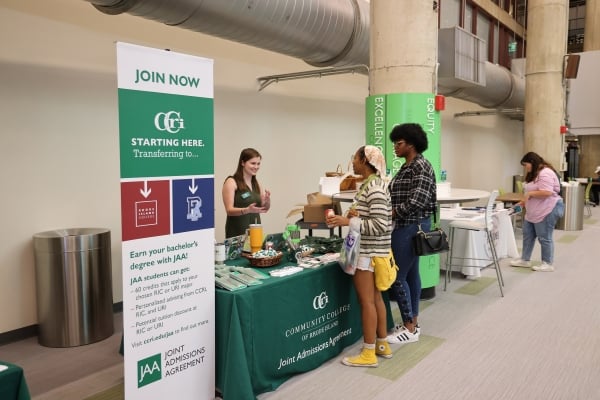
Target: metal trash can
<point x="74" y="286"/>
<point x="574" y="198"/>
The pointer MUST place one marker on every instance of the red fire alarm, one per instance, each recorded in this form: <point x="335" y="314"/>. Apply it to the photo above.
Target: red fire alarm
<point x="563" y="129"/>
<point x="440" y="102"/>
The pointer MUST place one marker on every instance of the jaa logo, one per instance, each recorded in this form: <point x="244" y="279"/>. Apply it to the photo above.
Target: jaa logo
<point x="149" y="370"/>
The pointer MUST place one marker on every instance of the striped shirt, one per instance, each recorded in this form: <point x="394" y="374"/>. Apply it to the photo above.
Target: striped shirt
<point x="372" y="203"/>
<point x="413" y="192"/>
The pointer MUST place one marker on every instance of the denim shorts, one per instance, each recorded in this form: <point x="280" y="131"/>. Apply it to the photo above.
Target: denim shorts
<point x="364" y="264"/>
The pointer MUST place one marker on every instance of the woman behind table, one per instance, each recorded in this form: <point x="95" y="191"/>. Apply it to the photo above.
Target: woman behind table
<point x="371" y="214"/>
<point x="543" y="207"/>
<point x="413" y="193"/>
<point x="242" y="195"/>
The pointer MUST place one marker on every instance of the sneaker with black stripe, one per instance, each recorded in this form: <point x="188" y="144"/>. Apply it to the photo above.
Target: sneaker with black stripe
<point x="403" y="335"/>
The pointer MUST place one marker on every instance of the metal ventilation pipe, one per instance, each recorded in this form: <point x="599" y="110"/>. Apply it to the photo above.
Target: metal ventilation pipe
<point x="320" y="32"/>
<point x="502" y="89"/>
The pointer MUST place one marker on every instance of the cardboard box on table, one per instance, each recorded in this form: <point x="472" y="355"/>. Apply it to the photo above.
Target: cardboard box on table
<point x="314" y="209"/>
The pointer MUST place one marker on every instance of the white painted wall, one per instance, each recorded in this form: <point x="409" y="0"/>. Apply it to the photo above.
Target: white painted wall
<point x="59" y="157"/>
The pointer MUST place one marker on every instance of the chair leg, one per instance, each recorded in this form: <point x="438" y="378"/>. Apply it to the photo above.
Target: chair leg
<point x="496" y="260"/>
<point x="499" y="269"/>
<point x="448" y="275"/>
<point x="496" y="263"/>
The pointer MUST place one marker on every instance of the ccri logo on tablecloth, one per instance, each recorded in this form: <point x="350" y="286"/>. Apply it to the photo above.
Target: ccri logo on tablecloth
<point x="320" y="301"/>
<point x="149" y="370"/>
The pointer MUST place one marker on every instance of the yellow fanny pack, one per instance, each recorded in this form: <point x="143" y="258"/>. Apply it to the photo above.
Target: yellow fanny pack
<point x="385" y="271"/>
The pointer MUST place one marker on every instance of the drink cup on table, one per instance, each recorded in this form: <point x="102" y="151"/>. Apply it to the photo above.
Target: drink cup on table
<point x="220" y="253"/>
<point x="256" y="237"/>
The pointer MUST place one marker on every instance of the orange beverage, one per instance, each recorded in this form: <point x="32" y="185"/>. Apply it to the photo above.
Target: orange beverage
<point x="256" y="237"/>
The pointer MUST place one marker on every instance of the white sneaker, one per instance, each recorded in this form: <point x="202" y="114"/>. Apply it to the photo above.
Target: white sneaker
<point x="545" y="267"/>
<point x="404" y="336"/>
<point x="397" y="329"/>
<point x="520" y="263"/>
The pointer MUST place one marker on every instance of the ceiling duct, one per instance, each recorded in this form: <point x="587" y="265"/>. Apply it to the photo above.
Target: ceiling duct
<point x="323" y="33"/>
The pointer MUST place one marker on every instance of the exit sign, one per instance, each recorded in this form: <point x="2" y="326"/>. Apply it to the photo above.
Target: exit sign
<point x="512" y="46"/>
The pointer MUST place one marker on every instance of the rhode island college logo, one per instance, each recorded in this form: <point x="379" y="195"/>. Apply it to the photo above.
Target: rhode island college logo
<point x="170" y="122"/>
<point x="149" y="370"/>
<point x="320" y="301"/>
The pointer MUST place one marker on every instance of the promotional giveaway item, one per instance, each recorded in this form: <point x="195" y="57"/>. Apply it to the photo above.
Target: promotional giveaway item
<point x="256" y="237"/>
<point x="350" y="250"/>
<point x="234" y="246"/>
<point x="292" y="231"/>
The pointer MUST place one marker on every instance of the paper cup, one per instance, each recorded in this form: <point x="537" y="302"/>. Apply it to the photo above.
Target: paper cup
<point x="220" y="253"/>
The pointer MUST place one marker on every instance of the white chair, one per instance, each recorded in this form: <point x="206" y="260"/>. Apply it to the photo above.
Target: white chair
<point x="588" y="204"/>
<point x="485" y="226"/>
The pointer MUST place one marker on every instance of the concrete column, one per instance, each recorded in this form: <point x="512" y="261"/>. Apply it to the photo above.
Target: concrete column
<point x="403" y="46"/>
<point x="544" y="91"/>
<point x="402" y="86"/>
<point x="589" y="145"/>
<point x="592" y="25"/>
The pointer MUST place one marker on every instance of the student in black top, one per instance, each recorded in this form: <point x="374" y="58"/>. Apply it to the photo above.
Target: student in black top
<point x="413" y="194"/>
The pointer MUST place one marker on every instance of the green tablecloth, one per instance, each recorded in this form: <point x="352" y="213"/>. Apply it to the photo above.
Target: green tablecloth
<point x="12" y="383"/>
<point x="265" y="334"/>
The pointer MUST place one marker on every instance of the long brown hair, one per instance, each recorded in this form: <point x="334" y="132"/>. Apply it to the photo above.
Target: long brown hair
<point x="238" y="176"/>
<point x="537" y="164"/>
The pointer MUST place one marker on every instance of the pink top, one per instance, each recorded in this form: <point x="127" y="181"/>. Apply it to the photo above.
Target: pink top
<point x="538" y="207"/>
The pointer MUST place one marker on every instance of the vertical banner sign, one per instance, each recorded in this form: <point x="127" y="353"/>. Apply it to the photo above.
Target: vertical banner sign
<point x="167" y="218"/>
<point x="376" y="128"/>
<point x="395" y="109"/>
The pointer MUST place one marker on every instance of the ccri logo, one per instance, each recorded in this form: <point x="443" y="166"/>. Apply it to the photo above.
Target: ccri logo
<point x="149" y="370"/>
<point x="170" y="122"/>
<point x="320" y="301"/>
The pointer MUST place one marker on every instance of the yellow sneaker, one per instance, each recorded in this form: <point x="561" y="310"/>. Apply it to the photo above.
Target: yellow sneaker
<point x="382" y="349"/>
<point x="366" y="358"/>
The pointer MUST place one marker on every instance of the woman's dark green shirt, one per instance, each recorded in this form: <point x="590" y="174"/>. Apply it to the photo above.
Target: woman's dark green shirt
<point x="237" y="225"/>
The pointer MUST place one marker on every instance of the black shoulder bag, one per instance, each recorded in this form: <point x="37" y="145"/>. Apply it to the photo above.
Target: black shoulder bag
<point x="433" y="242"/>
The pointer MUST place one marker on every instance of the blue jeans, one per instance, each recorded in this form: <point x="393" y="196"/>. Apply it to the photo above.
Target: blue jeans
<point x="543" y="231"/>
<point x="406" y="290"/>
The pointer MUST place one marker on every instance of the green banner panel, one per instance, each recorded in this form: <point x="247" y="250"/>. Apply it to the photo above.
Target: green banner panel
<point x="165" y="134"/>
<point x="401" y="108"/>
<point x="375" y="122"/>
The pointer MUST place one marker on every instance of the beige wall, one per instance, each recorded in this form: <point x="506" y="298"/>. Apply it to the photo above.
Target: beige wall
<point x="59" y="137"/>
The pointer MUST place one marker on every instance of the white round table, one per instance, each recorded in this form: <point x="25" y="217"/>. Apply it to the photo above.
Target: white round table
<point x="462" y="195"/>
<point x="456" y="196"/>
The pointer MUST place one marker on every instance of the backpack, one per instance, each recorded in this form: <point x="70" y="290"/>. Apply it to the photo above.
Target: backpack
<point x="559" y="183"/>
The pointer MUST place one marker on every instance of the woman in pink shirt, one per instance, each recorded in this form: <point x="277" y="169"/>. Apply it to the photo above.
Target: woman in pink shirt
<point x="543" y="207"/>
